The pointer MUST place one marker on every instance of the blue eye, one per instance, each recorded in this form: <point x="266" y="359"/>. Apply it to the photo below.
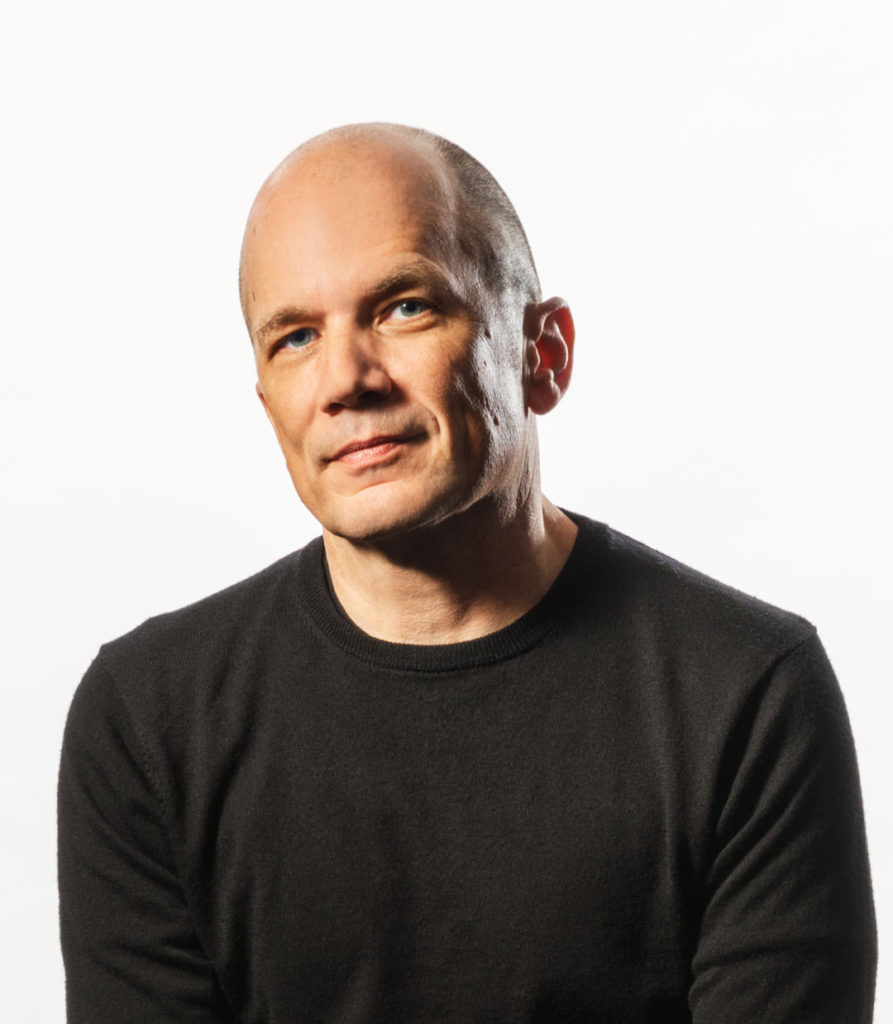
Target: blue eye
<point x="299" y="338"/>
<point x="409" y="308"/>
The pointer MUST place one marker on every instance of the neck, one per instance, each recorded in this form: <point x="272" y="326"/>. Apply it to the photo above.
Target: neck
<point x="468" y="576"/>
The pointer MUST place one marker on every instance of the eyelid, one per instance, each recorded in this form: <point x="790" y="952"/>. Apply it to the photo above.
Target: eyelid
<point x="390" y="307"/>
<point x="281" y="342"/>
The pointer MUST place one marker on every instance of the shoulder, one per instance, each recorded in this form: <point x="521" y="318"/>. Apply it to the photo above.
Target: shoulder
<point x="215" y="622"/>
<point x="183" y="664"/>
<point x="723" y="686"/>
<point x="688" y="597"/>
<point x="679" y="627"/>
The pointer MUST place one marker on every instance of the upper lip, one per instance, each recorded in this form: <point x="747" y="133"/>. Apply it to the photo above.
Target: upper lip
<point x="370" y="442"/>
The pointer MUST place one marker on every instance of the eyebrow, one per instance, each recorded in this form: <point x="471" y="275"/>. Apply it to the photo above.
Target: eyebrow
<point x="288" y="316"/>
<point x="418" y="273"/>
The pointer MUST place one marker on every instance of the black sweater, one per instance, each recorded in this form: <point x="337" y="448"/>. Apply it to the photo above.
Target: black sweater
<point x="638" y="803"/>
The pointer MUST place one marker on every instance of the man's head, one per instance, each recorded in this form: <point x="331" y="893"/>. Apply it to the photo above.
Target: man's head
<point x="400" y="339"/>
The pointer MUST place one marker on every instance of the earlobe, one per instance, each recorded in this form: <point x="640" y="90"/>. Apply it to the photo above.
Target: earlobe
<point x="549" y="329"/>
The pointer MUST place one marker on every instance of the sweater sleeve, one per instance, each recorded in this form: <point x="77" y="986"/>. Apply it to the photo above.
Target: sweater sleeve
<point x="129" y="947"/>
<point x="788" y="932"/>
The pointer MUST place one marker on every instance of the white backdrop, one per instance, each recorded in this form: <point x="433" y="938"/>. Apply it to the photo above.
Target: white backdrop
<point x="707" y="183"/>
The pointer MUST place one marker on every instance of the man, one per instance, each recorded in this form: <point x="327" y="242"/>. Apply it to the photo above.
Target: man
<point x="467" y="757"/>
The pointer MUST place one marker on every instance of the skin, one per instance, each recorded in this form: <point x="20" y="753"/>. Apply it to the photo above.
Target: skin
<point x="402" y="392"/>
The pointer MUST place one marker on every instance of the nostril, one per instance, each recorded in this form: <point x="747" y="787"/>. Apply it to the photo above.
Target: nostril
<point x="352" y="372"/>
<point x="372" y="388"/>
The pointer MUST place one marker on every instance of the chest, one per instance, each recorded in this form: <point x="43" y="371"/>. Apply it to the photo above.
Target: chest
<point x="451" y="859"/>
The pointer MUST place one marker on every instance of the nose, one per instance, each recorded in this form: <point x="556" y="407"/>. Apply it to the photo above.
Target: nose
<point x="353" y="370"/>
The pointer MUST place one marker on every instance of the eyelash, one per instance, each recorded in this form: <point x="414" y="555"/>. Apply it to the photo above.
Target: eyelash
<point x="283" y="342"/>
<point x="426" y="306"/>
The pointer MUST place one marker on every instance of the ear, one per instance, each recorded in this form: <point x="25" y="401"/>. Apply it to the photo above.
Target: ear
<point x="258" y="387"/>
<point x="549" y="330"/>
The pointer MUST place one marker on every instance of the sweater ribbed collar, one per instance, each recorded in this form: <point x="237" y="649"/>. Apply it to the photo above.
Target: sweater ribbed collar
<point x="317" y="602"/>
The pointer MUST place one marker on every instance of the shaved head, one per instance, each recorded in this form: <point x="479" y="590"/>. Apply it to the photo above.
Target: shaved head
<point x="473" y="209"/>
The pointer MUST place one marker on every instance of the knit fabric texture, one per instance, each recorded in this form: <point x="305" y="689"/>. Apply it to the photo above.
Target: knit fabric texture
<point x="638" y="803"/>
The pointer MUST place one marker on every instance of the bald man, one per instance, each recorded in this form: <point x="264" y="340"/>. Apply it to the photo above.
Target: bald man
<point x="466" y="757"/>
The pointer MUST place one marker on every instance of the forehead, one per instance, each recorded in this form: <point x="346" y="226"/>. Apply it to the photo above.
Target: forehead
<point x="335" y="213"/>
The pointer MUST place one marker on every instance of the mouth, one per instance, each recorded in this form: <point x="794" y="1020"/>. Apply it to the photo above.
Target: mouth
<point x="370" y="450"/>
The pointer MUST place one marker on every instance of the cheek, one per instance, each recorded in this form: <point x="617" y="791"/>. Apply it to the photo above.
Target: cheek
<point x="489" y="406"/>
<point x="495" y="387"/>
<point x="288" y="414"/>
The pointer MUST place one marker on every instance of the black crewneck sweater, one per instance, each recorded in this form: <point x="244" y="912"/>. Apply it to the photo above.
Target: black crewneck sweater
<point x="638" y="803"/>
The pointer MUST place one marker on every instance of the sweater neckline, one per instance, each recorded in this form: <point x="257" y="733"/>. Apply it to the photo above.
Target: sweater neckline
<point x="318" y="604"/>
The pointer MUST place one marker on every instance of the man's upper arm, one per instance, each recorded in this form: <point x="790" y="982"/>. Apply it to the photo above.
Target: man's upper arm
<point x="130" y="950"/>
<point x="788" y="932"/>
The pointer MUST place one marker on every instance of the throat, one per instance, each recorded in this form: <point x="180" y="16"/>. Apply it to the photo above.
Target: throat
<point x="444" y="586"/>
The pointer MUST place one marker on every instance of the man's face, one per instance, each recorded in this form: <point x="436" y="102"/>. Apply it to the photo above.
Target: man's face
<point x="395" y="392"/>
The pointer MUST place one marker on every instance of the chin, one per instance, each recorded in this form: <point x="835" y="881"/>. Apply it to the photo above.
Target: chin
<point x="366" y="518"/>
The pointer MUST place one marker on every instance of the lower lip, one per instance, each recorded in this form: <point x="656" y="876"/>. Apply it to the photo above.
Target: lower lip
<point x="365" y="456"/>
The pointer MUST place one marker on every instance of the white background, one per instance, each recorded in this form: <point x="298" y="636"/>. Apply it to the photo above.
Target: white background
<point x="708" y="184"/>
